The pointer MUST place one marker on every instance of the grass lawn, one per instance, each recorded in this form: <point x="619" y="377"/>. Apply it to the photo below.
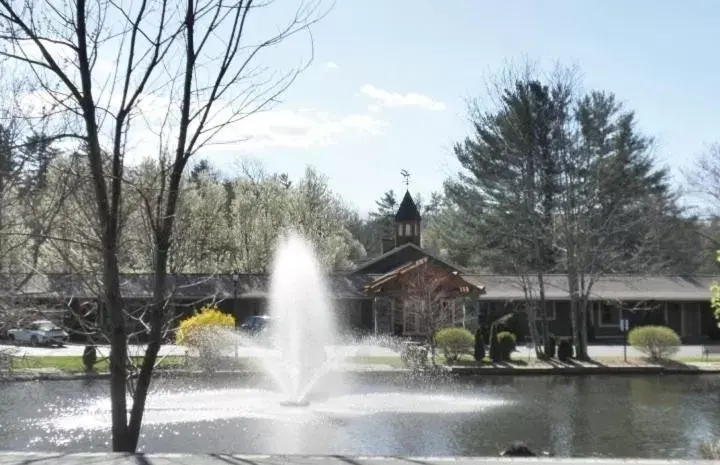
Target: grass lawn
<point x="74" y="364"/>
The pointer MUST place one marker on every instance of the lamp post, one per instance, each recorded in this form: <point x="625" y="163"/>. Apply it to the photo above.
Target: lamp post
<point x="375" y="317"/>
<point x="235" y="279"/>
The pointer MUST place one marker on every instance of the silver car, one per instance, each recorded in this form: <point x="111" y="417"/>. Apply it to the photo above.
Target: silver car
<point x="40" y="332"/>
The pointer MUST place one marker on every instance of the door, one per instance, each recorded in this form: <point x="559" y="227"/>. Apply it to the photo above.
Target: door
<point x="691" y="320"/>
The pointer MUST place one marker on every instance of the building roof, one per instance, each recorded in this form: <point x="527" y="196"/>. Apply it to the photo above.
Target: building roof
<point x="406" y="253"/>
<point x="185" y="286"/>
<point x="451" y="279"/>
<point x="407" y="211"/>
<point x="611" y="287"/>
<point x="349" y="286"/>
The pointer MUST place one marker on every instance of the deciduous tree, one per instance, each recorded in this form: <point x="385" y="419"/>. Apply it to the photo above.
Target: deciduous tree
<point x="198" y="64"/>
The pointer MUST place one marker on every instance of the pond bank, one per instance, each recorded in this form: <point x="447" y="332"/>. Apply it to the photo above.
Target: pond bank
<point x="535" y="369"/>
<point x="13" y="458"/>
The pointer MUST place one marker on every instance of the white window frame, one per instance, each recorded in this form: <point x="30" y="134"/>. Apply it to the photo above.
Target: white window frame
<point x="615" y="312"/>
<point x="400" y="229"/>
<point x="408" y="229"/>
<point x="451" y="306"/>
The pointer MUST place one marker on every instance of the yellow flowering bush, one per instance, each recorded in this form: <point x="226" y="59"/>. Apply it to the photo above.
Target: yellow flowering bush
<point x="192" y="329"/>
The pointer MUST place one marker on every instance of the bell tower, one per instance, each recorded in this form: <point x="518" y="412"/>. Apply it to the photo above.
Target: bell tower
<point x="407" y="219"/>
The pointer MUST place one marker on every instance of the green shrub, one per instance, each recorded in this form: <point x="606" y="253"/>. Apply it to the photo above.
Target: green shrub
<point x="479" y="346"/>
<point x="506" y="342"/>
<point x="454" y="342"/>
<point x="565" y="350"/>
<point x="657" y="342"/>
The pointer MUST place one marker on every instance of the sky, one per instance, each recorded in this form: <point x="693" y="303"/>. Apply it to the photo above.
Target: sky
<point x="388" y="84"/>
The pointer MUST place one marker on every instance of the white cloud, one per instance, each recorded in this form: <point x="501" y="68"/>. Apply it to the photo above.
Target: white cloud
<point x="299" y="129"/>
<point x="387" y="99"/>
<point x="276" y="128"/>
<point x="295" y="129"/>
<point x="330" y="65"/>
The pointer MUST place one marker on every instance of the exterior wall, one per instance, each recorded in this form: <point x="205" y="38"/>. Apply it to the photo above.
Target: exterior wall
<point x="693" y="321"/>
<point x="354" y="315"/>
<point x="383" y="309"/>
<point x="558" y="317"/>
<point x="392" y="319"/>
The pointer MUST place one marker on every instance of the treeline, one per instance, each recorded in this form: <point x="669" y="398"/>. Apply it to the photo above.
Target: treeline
<point x="223" y="224"/>
<point x="553" y="181"/>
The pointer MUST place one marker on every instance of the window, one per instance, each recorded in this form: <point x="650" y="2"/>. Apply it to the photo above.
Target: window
<point x="47" y="326"/>
<point x="412" y="312"/>
<point x="408" y="229"/>
<point x="549" y="311"/>
<point x="400" y="230"/>
<point x="609" y="316"/>
<point x="448" y="312"/>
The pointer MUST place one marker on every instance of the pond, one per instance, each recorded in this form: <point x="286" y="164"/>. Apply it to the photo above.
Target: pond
<point x="610" y="416"/>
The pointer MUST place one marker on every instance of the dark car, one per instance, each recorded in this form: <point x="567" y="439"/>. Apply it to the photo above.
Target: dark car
<point x="256" y="324"/>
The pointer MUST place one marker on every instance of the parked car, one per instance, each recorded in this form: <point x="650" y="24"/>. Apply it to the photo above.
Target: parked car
<point x="256" y="324"/>
<point x="40" y="332"/>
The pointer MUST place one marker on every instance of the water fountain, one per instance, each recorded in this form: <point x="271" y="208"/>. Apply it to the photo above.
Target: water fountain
<point x="303" y="322"/>
<point x="303" y="336"/>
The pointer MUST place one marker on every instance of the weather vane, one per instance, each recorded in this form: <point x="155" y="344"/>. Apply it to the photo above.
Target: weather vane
<point x="406" y="177"/>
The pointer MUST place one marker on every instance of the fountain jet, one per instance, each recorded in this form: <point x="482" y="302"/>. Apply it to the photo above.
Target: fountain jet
<point x="303" y="322"/>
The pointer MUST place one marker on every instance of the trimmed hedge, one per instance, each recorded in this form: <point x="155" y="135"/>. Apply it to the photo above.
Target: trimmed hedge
<point x="657" y="342"/>
<point x="454" y="342"/>
<point x="506" y="345"/>
<point x="479" y="346"/>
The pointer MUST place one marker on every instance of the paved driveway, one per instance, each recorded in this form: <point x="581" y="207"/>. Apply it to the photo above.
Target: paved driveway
<point x="608" y="351"/>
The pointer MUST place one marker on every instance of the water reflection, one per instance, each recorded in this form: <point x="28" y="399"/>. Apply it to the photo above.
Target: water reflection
<point x="621" y="416"/>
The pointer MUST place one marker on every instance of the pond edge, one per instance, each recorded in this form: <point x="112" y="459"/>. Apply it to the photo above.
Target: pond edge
<point x="460" y="371"/>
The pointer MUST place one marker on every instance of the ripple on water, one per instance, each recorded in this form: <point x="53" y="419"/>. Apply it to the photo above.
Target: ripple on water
<point x="226" y="404"/>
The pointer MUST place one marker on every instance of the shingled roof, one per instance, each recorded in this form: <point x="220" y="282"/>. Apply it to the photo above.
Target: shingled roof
<point x="349" y="286"/>
<point x="400" y="256"/>
<point x="450" y="279"/>
<point x="612" y="287"/>
<point x="407" y="211"/>
<point x="191" y="286"/>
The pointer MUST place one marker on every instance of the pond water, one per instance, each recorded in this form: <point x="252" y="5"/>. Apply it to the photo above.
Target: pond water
<point x="611" y="416"/>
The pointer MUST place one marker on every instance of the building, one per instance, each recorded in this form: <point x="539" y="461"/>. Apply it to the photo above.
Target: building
<point x="373" y="297"/>
<point x="680" y="302"/>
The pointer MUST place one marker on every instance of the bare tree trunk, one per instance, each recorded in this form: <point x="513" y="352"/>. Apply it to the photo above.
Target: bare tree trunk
<point x="543" y="315"/>
<point x="582" y="297"/>
<point x="142" y="385"/>
<point x="118" y="358"/>
<point x="531" y="314"/>
<point x="574" y="312"/>
<point x="582" y="354"/>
